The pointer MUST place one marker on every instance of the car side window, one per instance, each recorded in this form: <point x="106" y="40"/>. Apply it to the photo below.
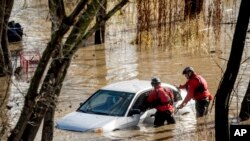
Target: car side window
<point x="177" y="95"/>
<point x="141" y="101"/>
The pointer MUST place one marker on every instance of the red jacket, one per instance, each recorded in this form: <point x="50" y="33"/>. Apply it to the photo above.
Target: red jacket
<point x="193" y="91"/>
<point x="164" y="96"/>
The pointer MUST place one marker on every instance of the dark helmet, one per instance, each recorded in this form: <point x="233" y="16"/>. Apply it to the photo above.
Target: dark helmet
<point x="155" y="81"/>
<point x="187" y="70"/>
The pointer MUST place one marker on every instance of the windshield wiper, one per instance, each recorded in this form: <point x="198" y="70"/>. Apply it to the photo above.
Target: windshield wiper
<point x="100" y="113"/>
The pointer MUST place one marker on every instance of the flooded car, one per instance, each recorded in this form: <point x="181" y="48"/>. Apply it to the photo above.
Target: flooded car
<point x="117" y="106"/>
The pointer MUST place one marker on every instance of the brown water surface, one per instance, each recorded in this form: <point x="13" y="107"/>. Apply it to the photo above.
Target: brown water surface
<point x="96" y="66"/>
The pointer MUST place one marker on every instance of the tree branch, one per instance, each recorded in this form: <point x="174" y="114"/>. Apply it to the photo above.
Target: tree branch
<point x="81" y="26"/>
<point x="57" y="13"/>
<point x="96" y="26"/>
<point x="80" y="6"/>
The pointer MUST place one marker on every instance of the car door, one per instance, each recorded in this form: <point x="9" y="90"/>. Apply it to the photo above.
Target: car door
<point x="138" y="105"/>
<point x="149" y="115"/>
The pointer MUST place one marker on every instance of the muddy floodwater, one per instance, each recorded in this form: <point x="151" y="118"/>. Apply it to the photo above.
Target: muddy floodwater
<point x="95" y="66"/>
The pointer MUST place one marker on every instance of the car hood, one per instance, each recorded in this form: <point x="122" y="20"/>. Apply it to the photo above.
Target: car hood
<point x="78" y="121"/>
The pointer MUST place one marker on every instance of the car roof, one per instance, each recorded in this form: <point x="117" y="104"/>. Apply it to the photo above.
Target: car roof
<point x="132" y="86"/>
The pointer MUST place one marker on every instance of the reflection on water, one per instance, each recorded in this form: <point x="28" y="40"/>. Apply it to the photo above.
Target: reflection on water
<point x="96" y="66"/>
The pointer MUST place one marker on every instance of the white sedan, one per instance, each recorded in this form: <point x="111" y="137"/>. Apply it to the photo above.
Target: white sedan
<point x="117" y="106"/>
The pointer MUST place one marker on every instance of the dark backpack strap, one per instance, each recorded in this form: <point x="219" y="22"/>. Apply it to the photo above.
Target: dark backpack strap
<point x="170" y="96"/>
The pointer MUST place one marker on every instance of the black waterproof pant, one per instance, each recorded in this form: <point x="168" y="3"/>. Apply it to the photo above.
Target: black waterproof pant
<point x="201" y="107"/>
<point x="162" y="116"/>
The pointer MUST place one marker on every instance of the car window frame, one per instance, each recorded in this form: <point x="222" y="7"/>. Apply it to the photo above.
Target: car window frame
<point x="98" y="91"/>
<point x="138" y="94"/>
<point x="175" y="92"/>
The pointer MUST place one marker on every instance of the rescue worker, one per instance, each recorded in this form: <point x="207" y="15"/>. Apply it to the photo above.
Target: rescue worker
<point x="161" y="99"/>
<point x="197" y="89"/>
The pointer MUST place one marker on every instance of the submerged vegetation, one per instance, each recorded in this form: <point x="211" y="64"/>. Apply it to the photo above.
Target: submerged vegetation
<point x="167" y="24"/>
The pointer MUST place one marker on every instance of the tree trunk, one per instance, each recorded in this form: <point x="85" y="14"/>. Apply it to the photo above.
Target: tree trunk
<point x="245" y="105"/>
<point x="42" y="104"/>
<point x="32" y="94"/>
<point x="228" y="80"/>
<point x="51" y="86"/>
<point x="66" y="64"/>
<point x="79" y="32"/>
<point x="4" y="42"/>
<point x="81" y="26"/>
<point x="5" y="61"/>
<point x="55" y="6"/>
<point x="2" y="11"/>
<point x="48" y="124"/>
<point x="100" y="32"/>
<point x="57" y="13"/>
<point x="52" y="48"/>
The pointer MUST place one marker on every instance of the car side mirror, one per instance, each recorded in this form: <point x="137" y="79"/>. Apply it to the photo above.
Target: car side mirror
<point x="134" y="112"/>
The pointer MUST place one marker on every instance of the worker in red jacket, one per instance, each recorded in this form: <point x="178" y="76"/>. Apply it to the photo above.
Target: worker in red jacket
<point x="197" y="89"/>
<point x="161" y="99"/>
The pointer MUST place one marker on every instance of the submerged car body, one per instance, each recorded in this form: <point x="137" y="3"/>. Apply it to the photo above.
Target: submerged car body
<point x="116" y="106"/>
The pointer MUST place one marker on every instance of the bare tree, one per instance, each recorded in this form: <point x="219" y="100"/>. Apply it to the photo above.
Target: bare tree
<point x="37" y="103"/>
<point x="229" y="77"/>
<point x="5" y="61"/>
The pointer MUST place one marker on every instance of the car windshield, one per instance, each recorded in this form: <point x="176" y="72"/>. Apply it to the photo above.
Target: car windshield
<point x="106" y="102"/>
